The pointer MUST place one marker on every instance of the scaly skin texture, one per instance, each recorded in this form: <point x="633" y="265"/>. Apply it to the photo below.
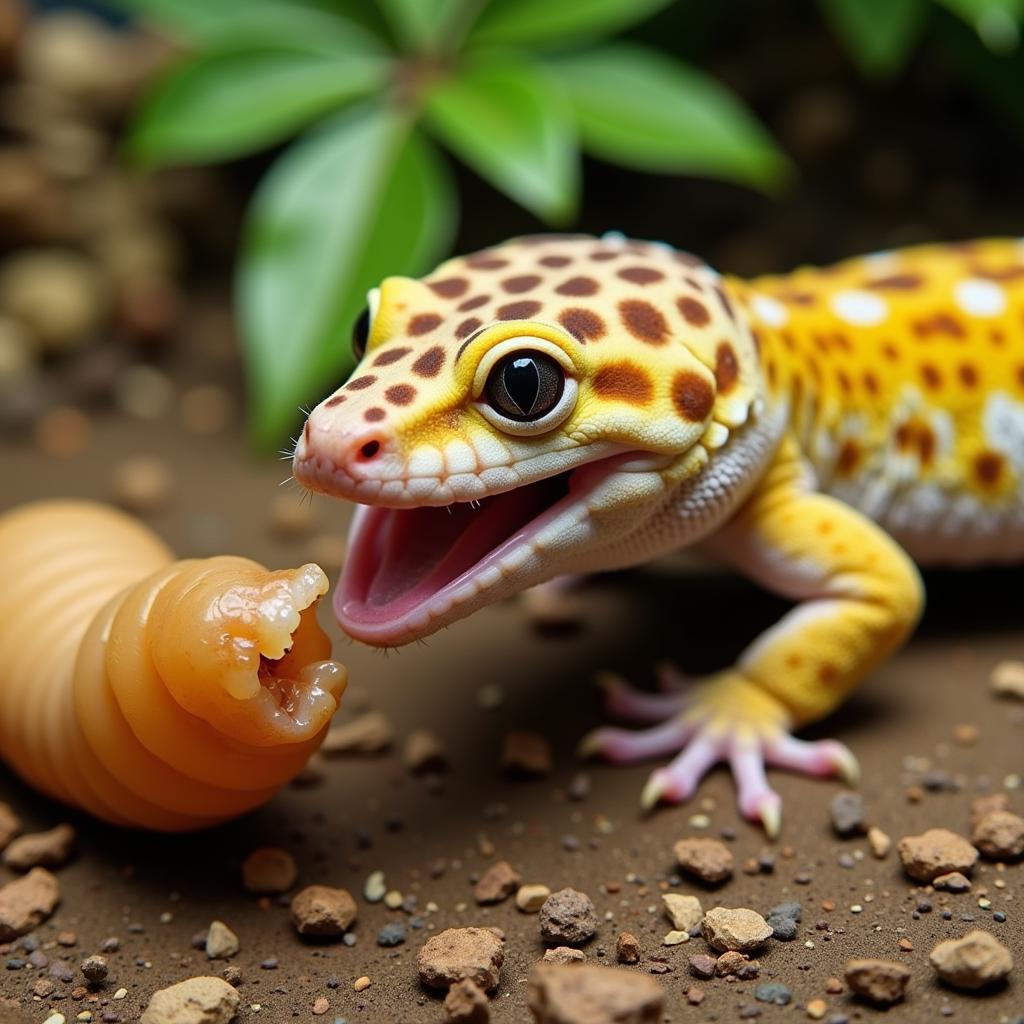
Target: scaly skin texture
<point x="815" y="430"/>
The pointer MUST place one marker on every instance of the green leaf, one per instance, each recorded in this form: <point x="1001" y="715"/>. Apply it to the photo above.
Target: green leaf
<point x="239" y="22"/>
<point x="358" y="199"/>
<point x="425" y="25"/>
<point x="511" y="123"/>
<point x="997" y="22"/>
<point x="640" y="108"/>
<point x="552" y="21"/>
<point x="878" y="33"/>
<point x="223" y="104"/>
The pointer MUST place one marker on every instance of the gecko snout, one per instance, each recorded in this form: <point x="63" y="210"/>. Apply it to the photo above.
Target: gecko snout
<point x="362" y="452"/>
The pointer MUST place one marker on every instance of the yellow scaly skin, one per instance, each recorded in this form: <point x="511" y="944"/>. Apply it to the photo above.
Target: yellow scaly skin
<point x="816" y="430"/>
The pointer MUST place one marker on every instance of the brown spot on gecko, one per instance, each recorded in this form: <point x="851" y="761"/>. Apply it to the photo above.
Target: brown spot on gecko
<point x="423" y="323"/>
<point x="374" y="414"/>
<point x="578" y="286"/>
<point x="988" y="469"/>
<point x="521" y="310"/>
<point x="968" y="375"/>
<point x="449" y="287"/>
<point x="332" y="402"/>
<point x="474" y="303"/>
<point x="931" y="376"/>
<point x="725" y="303"/>
<point x="624" y="382"/>
<point x="849" y="458"/>
<point x="390" y="355"/>
<point x="694" y="311"/>
<point x="361" y="382"/>
<point x="871" y="384"/>
<point x="600" y="255"/>
<point x="400" y="394"/>
<point x="940" y="323"/>
<point x="521" y="283"/>
<point x="583" y="324"/>
<point x="641" y="275"/>
<point x="727" y="367"/>
<point x="467" y="327"/>
<point x="486" y="263"/>
<point x="896" y="282"/>
<point x="643" y="321"/>
<point x="692" y="396"/>
<point x="429" y="364"/>
<point x="554" y="261"/>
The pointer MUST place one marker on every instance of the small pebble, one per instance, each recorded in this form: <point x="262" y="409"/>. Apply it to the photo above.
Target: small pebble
<point x="816" y="1009"/>
<point x="702" y="966"/>
<point x="530" y="898"/>
<point x="847" y="811"/>
<point x="424" y="752"/>
<point x="526" y="755"/>
<point x="499" y="882"/>
<point x="1007" y="679"/>
<point x="879" y="842"/>
<point x="457" y="953"/>
<point x="466" y="1003"/>
<point x="195" y="1001"/>
<point x="371" y="733"/>
<point x="588" y="993"/>
<point x="999" y="835"/>
<point x="972" y="962"/>
<point x="935" y="852"/>
<point x="27" y="902"/>
<point x="567" y="918"/>
<point x="221" y="942"/>
<point x="94" y="968"/>
<point x="564" y="955"/>
<point x="320" y="910"/>
<point x="375" y="888"/>
<point x="627" y="948"/>
<point x="710" y="860"/>
<point x="392" y="934"/>
<point x="269" y="871"/>
<point x="952" y="882"/>
<point x="879" y="981"/>
<point x="684" y="911"/>
<point x="773" y="992"/>
<point x="361" y="984"/>
<point x="740" y="929"/>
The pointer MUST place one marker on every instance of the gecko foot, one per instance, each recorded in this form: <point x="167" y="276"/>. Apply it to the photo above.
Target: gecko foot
<point x="727" y="719"/>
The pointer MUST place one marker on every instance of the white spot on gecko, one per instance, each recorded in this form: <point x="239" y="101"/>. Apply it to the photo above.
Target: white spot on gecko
<point x="862" y="309"/>
<point x="979" y="297"/>
<point x="769" y="311"/>
<point x="1004" y="427"/>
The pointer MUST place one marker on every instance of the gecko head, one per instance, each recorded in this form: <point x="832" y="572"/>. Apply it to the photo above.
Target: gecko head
<point x="516" y="416"/>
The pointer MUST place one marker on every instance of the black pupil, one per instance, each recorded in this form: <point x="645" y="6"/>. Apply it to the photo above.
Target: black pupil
<point x="360" y="333"/>
<point x="526" y="386"/>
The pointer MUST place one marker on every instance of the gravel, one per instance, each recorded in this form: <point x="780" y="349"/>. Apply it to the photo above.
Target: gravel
<point x="883" y="982"/>
<point x="588" y="994"/>
<point x="457" y="953"/>
<point x="973" y="962"/>
<point x="936" y="852"/>
<point x="710" y="860"/>
<point x="320" y="910"/>
<point x="741" y="929"/>
<point x="568" y="918"/>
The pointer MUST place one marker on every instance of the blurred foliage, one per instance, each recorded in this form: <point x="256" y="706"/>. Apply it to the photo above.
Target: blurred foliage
<point x="513" y="88"/>
<point x="881" y="34"/>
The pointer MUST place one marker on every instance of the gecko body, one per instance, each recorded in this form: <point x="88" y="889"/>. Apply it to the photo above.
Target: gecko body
<point x="564" y="404"/>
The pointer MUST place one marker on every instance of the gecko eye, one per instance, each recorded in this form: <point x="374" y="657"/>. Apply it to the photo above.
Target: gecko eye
<point x="525" y="386"/>
<point x="361" y="333"/>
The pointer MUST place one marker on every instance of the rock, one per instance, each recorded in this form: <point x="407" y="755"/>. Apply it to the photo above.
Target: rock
<point x="742" y="929"/>
<point x="734" y="963"/>
<point x="58" y="295"/>
<point x="392" y="934"/>
<point x="588" y="994"/>
<point x="879" y="842"/>
<point x="499" y="881"/>
<point x="879" y="981"/>
<point x="142" y="484"/>
<point x="51" y="849"/>
<point x="999" y="835"/>
<point x="564" y="955"/>
<point x="773" y="992"/>
<point x="567" y="918"/>
<point x="985" y="805"/>
<point x="94" y="968"/>
<point x="530" y="898"/>
<point x="458" y="953"/>
<point x="375" y="887"/>
<point x="783" y="928"/>
<point x="1007" y="679"/>
<point x="976" y="960"/>
<point x="466" y="1003"/>
<point x="424" y="752"/>
<point x="26" y="902"/>
<point x="675" y="937"/>
<point x="707" y="859"/>
<point x="371" y="733"/>
<point x="627" y="948"/>
<point x="10" y="825"/>
<point x="703" y="966"/>
<point x="685" y="912"/>
<point x="221" y="942"/>
<point x="322" y="910"/>
<point x="953" y="882"/>
<point x="196" y="1001"/>
<point x="935" y="852"/>
<point x="847" y="811"/>
<point x="269" y="871"/>
<point x="525" y="754"/>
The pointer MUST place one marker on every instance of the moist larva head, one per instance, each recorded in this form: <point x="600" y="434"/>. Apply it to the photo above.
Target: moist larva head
<point x="239" y="646"/>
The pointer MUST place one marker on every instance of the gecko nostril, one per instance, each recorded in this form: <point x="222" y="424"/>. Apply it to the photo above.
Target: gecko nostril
<point x="369" y="450"/>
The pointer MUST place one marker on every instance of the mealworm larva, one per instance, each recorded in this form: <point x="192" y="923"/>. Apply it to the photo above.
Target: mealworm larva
<point x="149" y="692"/>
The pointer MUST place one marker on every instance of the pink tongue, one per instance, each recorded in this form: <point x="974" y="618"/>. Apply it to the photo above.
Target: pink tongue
<point x="419" y="551"/>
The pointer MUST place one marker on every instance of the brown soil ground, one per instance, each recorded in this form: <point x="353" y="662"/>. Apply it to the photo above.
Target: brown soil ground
<point x="155" y="892"/>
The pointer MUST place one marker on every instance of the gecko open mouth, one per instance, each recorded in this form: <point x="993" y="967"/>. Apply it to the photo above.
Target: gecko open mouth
<point x="409" y="566"/>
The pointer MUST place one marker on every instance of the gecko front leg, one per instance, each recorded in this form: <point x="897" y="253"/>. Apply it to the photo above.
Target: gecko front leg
<point x="859" y="597"/>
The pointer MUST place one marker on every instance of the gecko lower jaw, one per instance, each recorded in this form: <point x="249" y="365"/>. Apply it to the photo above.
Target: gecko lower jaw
<point x="409" y="570"/>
